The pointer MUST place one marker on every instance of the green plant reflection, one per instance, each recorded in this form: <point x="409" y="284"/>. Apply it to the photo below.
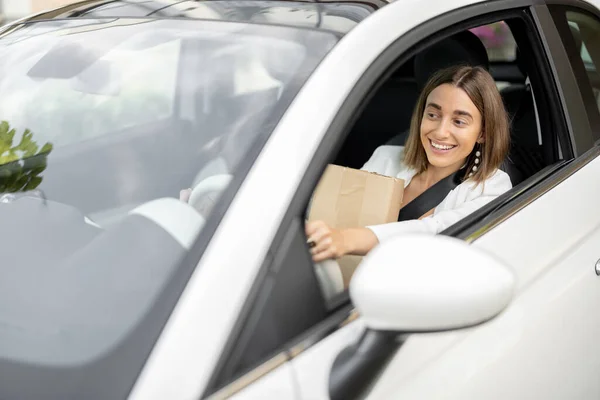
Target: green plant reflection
<point x="21" y="164"/>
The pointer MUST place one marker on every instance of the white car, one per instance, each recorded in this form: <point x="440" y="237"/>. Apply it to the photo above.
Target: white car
<point x="113" y="287"/>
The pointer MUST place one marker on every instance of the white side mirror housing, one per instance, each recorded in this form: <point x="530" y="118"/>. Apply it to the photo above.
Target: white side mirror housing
<point x="428" y="283"/>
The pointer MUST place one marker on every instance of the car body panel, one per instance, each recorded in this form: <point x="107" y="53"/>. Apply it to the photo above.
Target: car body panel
<point x="279" y="384"/>
<point x="541" y="346"/>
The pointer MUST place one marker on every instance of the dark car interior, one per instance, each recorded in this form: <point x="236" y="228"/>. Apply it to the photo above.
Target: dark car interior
<point x="386" y="118"/>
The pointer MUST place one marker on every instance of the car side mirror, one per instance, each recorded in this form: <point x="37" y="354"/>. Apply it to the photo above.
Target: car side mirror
<point x="429" y="283"/>
<point x="416" y="284"/>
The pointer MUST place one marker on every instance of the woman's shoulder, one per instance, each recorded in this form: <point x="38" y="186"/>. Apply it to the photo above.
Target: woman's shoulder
<point x="388" y="160"/>
<point x="496" y="184"/>
<point x="499" y="180"/>
<point x="470" y="192"/>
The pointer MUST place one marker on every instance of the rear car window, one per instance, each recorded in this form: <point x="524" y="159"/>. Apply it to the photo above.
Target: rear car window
<point x="498" y="41"/>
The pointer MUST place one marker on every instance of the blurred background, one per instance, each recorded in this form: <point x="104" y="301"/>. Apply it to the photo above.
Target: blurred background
<point x="496" y="37"/>
<point x="11" y="10"/>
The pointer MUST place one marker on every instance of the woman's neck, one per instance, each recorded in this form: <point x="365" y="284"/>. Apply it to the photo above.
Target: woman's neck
<point x="433" y="175"/>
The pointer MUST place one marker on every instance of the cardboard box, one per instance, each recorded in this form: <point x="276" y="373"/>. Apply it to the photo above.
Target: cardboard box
<point x="351" y="198"/>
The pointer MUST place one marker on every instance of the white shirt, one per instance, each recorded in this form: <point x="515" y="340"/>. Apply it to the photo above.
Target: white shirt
<point x="460" y="202"/>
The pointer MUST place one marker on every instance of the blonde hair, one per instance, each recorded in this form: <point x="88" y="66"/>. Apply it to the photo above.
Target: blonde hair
<point x="479" y="85"/>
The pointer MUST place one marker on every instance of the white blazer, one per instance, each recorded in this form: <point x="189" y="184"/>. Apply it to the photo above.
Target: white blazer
<point x="460" y="202"/>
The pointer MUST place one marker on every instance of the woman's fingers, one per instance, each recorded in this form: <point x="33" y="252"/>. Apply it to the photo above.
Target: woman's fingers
<point x="324" y="241"/>
<point x="322" y="256"/>
<point x="321" y="245"/>
<point x="311" y="227"/>
<point x="320" y="240"/>
<point x="316" y="231"/>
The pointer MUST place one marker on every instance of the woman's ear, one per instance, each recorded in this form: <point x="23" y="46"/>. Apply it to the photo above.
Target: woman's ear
<point x="481" y="138"/>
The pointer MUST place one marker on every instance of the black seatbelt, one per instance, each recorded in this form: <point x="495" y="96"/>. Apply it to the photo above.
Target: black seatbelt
<point x="430" y="198"/>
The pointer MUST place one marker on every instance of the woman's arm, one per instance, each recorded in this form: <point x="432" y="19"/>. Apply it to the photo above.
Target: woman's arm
<point x="327" y="242"/>
<point x="359" y="241"/>
<point x="462" y="201"/>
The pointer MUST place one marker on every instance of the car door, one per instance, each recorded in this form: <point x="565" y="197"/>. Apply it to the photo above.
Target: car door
<point x="453" y="364"/>
<point x="544" y="344"/>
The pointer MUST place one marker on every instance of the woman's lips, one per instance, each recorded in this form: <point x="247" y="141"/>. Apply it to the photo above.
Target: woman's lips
<point x="441" y="148"/>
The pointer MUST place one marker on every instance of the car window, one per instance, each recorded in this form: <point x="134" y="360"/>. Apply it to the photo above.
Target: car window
<point x="500" y="46"/>
<point x="498" y="41"/>
<point x="585" y="30"/>
<point x="532" y="148"/>
<point x="579" y="32"/>
<point x="164" y="106"/>
<point x="96" y="156"/>
<point x="289" y="302"/>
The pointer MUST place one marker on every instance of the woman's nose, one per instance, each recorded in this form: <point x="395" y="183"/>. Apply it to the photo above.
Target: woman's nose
<point x="443" y="128"/>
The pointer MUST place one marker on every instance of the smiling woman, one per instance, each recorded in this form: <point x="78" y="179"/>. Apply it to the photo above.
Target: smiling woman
<point x="460" y="112"/>
<point x="459" y="133"/>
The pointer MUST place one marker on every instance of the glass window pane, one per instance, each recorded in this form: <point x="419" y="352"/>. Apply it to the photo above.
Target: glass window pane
<point x="586" y="34"/>
<point x="498" y="41"/>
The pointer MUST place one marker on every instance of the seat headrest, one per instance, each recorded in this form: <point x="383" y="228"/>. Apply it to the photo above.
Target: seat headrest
<point x="463" y="48"/>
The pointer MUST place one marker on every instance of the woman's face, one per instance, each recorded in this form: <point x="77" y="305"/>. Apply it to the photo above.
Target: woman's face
<point x="450" y="127"/>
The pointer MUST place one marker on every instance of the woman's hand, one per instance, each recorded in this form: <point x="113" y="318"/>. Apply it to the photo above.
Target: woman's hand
<point x="327" y="242"/>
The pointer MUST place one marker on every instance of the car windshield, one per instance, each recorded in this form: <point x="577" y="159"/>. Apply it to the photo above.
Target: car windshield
<point x="340" y="16"/>
<point x="117" y="139"/>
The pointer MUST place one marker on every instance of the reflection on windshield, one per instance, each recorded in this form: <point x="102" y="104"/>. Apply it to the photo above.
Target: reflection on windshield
<point x="339" y="16"/>
<point x="21" y="164"/>
<point x="111" y="120"/>
<point x="145" y="109"/>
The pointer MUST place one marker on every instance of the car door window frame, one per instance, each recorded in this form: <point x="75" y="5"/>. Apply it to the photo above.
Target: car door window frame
<point x="559" y="15"/>
<point x="362" y="93"/>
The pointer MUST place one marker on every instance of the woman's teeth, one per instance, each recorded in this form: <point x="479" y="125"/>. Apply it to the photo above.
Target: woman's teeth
<point x="441" y="146"/>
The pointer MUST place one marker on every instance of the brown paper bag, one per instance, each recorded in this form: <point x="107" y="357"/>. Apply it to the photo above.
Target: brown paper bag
<point x="351" y="198"/>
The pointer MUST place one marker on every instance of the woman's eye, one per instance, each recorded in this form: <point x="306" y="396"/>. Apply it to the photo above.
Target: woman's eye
<point x="459" y="122"/>
<point x="431" y="115"/>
